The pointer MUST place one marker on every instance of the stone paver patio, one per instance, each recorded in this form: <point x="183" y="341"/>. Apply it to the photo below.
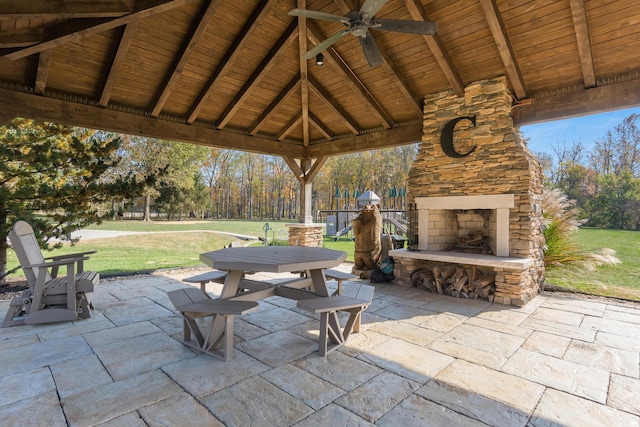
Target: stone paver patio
<point x="419" y="360"/>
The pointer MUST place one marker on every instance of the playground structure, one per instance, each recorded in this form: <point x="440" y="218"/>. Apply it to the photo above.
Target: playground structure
<point x="339" y="221"/>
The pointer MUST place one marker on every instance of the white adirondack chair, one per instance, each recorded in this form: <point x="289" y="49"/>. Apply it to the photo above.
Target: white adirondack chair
<point x="50" y="298"/>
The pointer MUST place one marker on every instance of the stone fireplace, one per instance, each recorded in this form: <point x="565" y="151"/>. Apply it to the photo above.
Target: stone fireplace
<point x="474" y="200"/>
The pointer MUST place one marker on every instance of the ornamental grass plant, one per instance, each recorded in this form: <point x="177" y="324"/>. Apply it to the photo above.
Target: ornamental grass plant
<point x="561" y="222"/>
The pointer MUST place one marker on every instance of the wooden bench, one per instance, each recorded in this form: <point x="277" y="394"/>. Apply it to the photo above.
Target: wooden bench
<point x="193" y="304"/>
<point x="204" y="278"/>
<point x="355" y="300"/>
<point x="339" y="276"/>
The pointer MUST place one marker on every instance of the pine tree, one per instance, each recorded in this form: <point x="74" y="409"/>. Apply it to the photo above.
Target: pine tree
<point x="56" y="178"/>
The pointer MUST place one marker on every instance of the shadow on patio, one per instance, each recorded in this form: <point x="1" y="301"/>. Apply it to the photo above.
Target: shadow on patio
<point x="420" y="359"/>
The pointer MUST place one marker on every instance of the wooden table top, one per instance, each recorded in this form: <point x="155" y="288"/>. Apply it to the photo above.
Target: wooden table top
<point x="273" y="259"/>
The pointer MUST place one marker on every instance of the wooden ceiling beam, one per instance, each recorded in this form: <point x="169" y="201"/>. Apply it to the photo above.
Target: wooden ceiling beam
<point x="351" y="79"/>
<point x="204" y="18"/>
<point x="6" y="117"/>
<point x="44" y="59"/>
<point x="393" y="72"/>
<point x="416" y="10"/>
<point x="500" y="36"/>
<point x="118" y="60"/>
<point x="565" y="105"/>
<point x="404" y="135"/>
<point x="78" y="28"/>
<point x="19" y="104"/>
<point x="265" y="66"/>
<point x="317" y="123"/>
<point x="304" y="73"/>
<point x="334" y="106"/>
<point x="21" y="37"/>
<point x="581" y="25"/>
<point x="315" y="168"/>
<point x="227" y="63"/>
<point x="289" y="127"/>
<point x="282" y="97"/>
<point x="300" y="174"/>
<point x="64" y="9"/>
<point x="295" y="167"/>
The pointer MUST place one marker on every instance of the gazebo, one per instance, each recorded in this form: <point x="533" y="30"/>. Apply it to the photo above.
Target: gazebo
<point x="234" y="74"/>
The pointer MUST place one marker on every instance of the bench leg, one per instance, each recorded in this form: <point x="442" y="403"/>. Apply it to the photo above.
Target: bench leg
<point x="353" y="323"/>
<point x="339" y="290"/>
<point x="203" y="288"/>
<point x="227" y="350"/>
<point x="331" y="335"/>
<point x="218" y="343"/>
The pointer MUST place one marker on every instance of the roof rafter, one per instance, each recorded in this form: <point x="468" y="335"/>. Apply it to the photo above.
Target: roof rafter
<point x="304" y="74"/>
<point x="65" y="9"/>
<point x="265" y="66"/>
<point x="416" y="10"/>
<point x="317" y="123"/>
<point x="392" y="70"/>
<point x="206" y="14"/>
<point x="354" y="82"/>
<point x="492" y="14"/>
<point x="75" y="29"/>
<point x="334" y="106"/>
<point x="580" y="22"/>
<point x="231" y="55"/>
<point x="44" y="59"/>
<point x="21" y="38"/>
<point x="289" y="127"/>
<point x="116" y="65"/>
<point x="287" y="92"/>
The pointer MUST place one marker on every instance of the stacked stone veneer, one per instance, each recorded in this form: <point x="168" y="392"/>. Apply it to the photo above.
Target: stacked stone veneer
<point x="500" y="164"/>
<point x="303" y="234"/>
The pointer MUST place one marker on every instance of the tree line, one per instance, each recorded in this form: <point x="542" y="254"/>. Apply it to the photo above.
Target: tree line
<point x="604" y="180"/>
<point x="61" y="178"/>
<point x="214" y="183"/>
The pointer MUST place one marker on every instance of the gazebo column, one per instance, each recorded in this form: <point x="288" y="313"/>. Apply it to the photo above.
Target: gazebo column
<point x="305" y="232"/>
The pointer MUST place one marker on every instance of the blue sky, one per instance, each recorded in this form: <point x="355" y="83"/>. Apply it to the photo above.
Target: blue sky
<point x="588" y="129"/>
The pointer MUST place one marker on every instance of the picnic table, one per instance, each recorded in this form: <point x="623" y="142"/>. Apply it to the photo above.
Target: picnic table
<point x="273" y="259"/>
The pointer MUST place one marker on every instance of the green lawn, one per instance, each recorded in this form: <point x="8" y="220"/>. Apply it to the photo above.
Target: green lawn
<point x="181" y="248"/>
<point x="252" y="228"/>
<point x="621" y="280"/>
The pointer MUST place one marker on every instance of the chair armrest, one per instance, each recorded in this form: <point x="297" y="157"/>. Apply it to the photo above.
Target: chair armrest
<point x="75" y="255"/>
<point x="67" y="261"/>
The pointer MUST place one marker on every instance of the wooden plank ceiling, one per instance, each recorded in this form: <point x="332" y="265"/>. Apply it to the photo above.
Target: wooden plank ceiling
<point x="230" y="73"/>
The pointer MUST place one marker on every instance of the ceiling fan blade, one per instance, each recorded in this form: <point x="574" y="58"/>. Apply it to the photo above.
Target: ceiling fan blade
<point x="325" y="44"/>
<point x="404" y="26"/>
<point x="370" y="49"/>
<point x="370" y="8"/>
<point x="313" y="14"/>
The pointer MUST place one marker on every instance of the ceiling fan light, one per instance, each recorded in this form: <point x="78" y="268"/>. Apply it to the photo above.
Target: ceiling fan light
<point x="320" y="59"/>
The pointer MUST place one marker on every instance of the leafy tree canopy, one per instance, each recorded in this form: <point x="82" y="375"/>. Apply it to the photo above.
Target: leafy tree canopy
<point x="55" y="177"/>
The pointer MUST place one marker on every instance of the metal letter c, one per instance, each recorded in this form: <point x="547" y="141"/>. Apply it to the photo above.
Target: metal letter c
<point x="446" y="138"/>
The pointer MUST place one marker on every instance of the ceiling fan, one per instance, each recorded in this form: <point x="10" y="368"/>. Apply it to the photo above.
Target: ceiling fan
<point x="358" y="23"/>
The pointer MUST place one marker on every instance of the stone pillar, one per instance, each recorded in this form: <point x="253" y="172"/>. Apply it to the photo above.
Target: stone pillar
<point x="305" y="234"/>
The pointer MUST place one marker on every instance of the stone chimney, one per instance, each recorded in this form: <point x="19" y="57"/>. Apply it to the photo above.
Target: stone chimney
<point x="472" y="161"/>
